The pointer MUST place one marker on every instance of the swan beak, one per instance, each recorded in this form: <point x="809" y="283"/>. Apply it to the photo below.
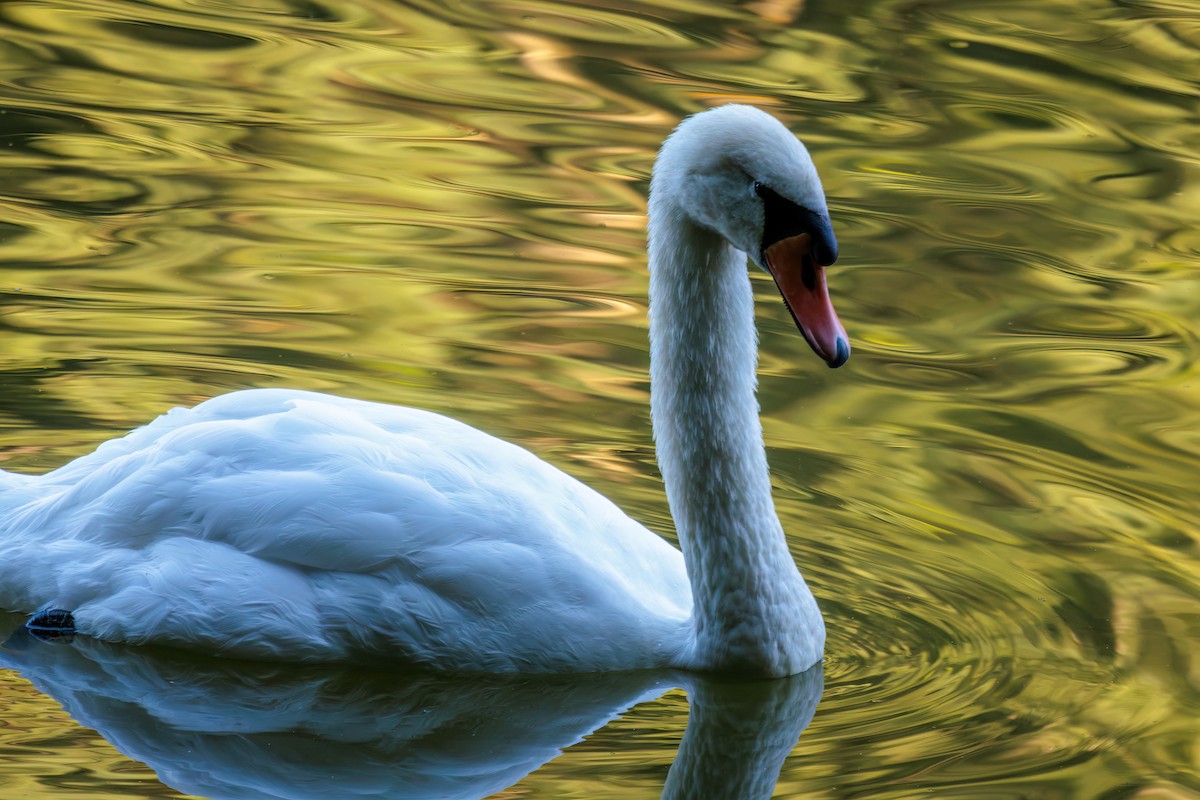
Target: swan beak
<point x="801" y="281"/>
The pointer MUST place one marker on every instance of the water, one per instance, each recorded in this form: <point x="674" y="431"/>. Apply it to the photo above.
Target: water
<point x="441" y="205"/>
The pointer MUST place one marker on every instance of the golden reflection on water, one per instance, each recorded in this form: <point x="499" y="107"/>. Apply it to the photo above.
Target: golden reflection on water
<point x="441" y="205"/>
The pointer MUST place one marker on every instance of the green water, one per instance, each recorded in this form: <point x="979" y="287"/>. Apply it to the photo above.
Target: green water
<point x="441" y="205"/>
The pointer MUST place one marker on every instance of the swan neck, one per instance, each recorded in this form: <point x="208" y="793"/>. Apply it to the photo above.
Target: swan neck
<point x="752" y="611"/>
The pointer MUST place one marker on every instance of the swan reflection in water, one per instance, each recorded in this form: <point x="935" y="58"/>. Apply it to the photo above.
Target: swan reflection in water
<point x="224" y="730"/>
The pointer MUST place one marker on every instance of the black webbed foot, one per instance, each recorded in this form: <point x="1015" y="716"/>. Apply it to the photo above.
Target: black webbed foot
<point x="53" y="624"/>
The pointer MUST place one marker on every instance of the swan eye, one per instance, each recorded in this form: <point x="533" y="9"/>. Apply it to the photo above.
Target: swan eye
<point x="759" y="189"/>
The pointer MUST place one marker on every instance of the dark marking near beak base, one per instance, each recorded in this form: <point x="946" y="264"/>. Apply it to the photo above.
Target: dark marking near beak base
<point x="784" y="219"/>
<point x="808" y="274"/>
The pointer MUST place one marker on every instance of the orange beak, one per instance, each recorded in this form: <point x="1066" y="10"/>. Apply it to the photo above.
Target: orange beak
<point x="801" y="281"/>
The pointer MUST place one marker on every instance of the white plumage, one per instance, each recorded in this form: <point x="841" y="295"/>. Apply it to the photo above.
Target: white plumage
<point x="287" y="525"/>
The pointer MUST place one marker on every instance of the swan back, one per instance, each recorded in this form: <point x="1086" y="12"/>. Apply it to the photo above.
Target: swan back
<point x="278" y="524"/>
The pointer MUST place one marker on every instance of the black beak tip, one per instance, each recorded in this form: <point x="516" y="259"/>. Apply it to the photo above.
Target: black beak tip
<point x="842" y="354"/>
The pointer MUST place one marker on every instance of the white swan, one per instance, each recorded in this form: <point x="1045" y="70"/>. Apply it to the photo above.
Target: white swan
<point x="286" y="525"/>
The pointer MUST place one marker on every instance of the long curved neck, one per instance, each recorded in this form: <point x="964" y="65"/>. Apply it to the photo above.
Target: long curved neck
<point x="752" y="611"/>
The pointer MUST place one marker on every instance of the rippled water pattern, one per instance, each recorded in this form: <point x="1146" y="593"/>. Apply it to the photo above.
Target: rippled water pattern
<point x="440" y="204"/>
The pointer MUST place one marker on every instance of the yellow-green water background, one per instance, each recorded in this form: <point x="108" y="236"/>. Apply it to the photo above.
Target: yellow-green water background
<point x="441" y="204"/>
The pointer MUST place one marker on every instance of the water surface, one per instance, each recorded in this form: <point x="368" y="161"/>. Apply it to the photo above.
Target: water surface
<point x="442" y="205"/>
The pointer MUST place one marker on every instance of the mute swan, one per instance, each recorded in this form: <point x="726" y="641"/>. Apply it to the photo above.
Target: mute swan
<point x="294" y="526"/>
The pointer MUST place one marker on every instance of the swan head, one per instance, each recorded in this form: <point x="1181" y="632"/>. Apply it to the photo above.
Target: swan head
<point x="738" y="172"/>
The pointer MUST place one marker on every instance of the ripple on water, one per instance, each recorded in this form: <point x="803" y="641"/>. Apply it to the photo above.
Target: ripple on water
<point x="969" y="659"/>
<point x="464" y="83"/>
<point x="997" y="511"/>
<point x="911" y="667"/>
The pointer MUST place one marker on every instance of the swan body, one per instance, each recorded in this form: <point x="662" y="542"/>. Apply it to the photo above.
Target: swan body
<point x="289" y="525"/>
<point x="275" y="524"/>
